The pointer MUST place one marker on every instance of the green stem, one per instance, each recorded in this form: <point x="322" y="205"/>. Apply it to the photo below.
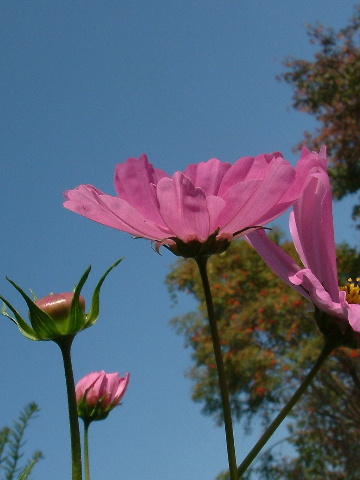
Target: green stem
<point x="86" y="449"/>
<point x="202" y="262"/>
<point x="327" y="349"/>
<point x="65" y="347"/>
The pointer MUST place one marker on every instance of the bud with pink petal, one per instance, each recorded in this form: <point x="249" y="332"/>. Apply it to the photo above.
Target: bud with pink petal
<point x="58" y="305"/>
<point x="98" y="393"/>
<point x="57" y="315"/>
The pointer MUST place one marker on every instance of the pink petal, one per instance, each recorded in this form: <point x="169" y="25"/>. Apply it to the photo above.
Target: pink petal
<point x="183" y="208"/>
<point x="86" y="200"/>
<point x="109" y="387"/>
<point x="207" y="175"/>
<point x="96" y="391"/>
<point x="116" y="388"/>
<point x="131" y="221"/>
<point x="312" y="229"/>
<point x="111" y="211"/>
<point x="354" y="316"/>
<point x="295" y="189"/>
<point x="309" y="161"/>
<point x="123" y="385"/>
<point x="85" y="383"/>
<point x="246" y="168"/>
<point x="236" y="199"/>
<point x="319" y="295"/>
<point x="259" y="208"/>
<point x="215" y="207"/>
<point x="278" y="260"/>
<point x="134" y="181"/>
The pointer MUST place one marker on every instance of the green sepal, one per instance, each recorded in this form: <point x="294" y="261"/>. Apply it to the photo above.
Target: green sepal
<point x="44" y="326"/>
<point x="92" y="316"/>
<point x="77" y="318"/>
<point x="93" y="413"/>
<point x="24" y="327"/>
<point x="336" y="332"/>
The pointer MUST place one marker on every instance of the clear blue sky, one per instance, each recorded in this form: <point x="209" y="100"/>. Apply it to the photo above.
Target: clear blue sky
<point x="84" y="85"/>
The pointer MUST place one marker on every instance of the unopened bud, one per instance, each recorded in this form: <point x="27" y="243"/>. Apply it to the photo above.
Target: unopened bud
<point x="57" y="305"/>
<point x="57" y="315"/>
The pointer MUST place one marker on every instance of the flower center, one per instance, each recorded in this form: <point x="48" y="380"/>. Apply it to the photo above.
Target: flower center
<point x="352" y="290"/>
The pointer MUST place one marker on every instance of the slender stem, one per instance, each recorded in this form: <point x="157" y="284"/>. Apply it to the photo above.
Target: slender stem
<point x="65" y="347"/>
<point x="86" y="449"/>
<point x="327" y="349"/>
<point x="202" y="262"/>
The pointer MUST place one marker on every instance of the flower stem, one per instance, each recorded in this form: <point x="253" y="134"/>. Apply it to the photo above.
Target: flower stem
<point x="327" y="349"/>
<point x="65" y="347"/>
<point x="202" y="262"/>
<point x="86" y="449"/>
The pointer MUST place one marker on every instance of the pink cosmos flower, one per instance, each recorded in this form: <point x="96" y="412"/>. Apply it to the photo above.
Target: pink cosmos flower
<point x="98" y="393"/>
<point x="198" y="211"/>
<point x="312" y="230"/>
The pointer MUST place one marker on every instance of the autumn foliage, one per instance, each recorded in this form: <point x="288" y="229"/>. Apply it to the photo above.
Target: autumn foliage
<point x="269" y="336"/>
<point x="328" y="87"/>
<point x="269" y="340"/>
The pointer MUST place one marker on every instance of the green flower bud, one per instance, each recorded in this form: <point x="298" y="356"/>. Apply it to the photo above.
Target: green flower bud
<point x="58" y="305"/>
<point x="57" y="315"/>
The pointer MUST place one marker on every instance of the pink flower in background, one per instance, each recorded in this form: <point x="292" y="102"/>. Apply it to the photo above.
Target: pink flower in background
<point x="312" y="230"/>
<point x="198" y="211"/>
<point x="98" y="393"/>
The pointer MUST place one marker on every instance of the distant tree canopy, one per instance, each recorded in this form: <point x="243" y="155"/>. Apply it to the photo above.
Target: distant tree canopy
<point x="269" y="340"/>
<point x="269" y="336"/>
<point x="326" y="428"/>
<point x="329" y="89"/>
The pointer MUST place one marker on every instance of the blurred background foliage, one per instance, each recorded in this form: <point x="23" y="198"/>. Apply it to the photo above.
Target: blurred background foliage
<point x="270" y="339"/>
<point x="268" y="331"/>
<point x="328" y="88"/>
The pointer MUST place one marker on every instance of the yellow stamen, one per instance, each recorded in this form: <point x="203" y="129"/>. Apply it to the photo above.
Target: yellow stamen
<point x="352" y="290"/>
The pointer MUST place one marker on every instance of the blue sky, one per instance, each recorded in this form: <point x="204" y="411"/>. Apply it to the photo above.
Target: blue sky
<point x="84" y="86"/>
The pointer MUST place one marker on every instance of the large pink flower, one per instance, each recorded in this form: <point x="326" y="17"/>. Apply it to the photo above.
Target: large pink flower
<point x="200" y="210"/>
<point x="312" y="230"/>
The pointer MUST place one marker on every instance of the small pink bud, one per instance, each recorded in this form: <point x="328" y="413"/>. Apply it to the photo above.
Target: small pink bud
<point x="58" y="305"/>
<point x="98" y="393"/>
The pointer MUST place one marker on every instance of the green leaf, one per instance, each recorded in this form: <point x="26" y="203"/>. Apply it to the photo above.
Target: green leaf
<point x="14" y="443"/>
<point x="27" y="470"/>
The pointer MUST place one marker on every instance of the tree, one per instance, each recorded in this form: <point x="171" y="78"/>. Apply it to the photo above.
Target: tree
<point x="326" y="430"/>
<point x="269" y="340"/>
<point x="329" y="88"/>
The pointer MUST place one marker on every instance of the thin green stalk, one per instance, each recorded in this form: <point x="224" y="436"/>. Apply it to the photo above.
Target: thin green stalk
<point x="86" y="449"/>
<point x="65" y="347"/>
<point x="202" y="262"/>
<point x="327" y="349"/>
